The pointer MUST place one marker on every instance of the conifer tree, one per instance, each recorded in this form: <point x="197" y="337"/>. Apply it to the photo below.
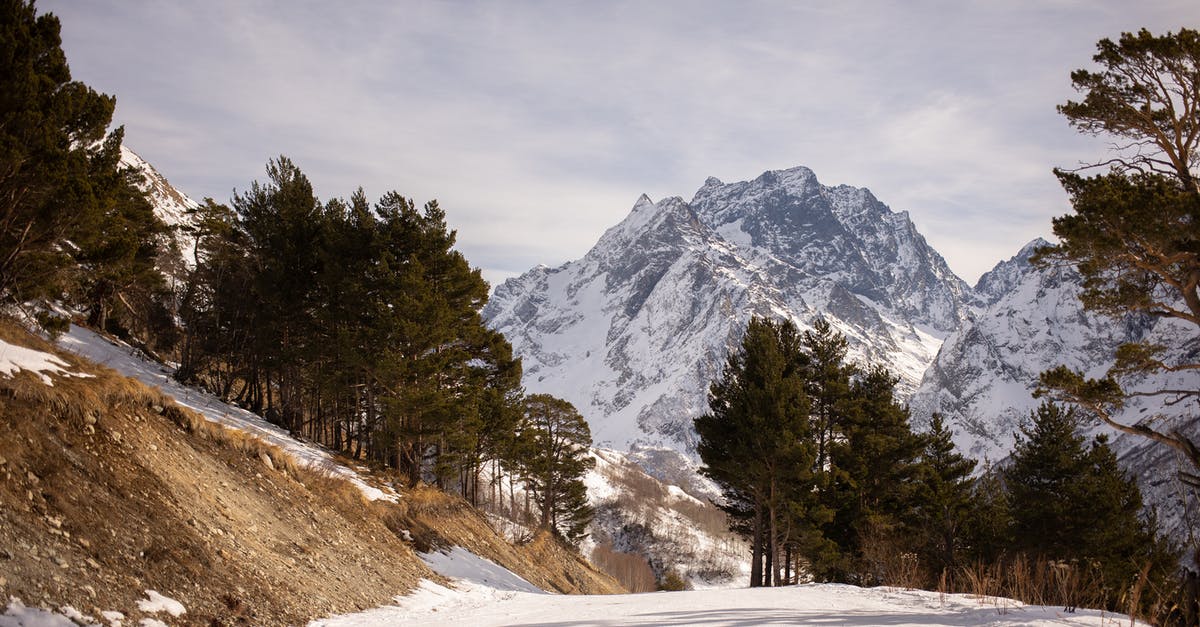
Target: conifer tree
<point x="943" y="498"/>
<point x="117" y="254"/>
<point x="756" y="442"/>
<point x="553" y="457"/>
<point x="72" y="224"/>
<point x="987" y="530"/>
<point x="1072" y="502"/>
<point x="51" y="130"/>
<point x="282" y="222"/>
<point x="1134" y="234"/>
<point x="874" y="463"/>
<point x="827" y="375"/>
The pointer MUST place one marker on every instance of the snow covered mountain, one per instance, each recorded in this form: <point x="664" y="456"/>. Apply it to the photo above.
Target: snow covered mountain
<point x="1029" y="320"/>
<point x="170" y="204"/>
<point x="633" y="332"/>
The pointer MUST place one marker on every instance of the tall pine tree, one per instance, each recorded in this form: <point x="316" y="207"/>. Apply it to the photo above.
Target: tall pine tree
<point x="943" y="499"/>
<point x="1070" y="501"/>
<point x="553" y="457"/>
<point x="756" y="443"/>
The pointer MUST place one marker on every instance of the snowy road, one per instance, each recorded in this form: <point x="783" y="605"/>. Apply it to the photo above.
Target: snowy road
<point x="485" y="594"/>
<point x="817" y="604"/>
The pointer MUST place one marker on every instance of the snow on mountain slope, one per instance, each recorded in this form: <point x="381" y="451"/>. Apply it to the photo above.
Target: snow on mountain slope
<point x="985" y="373"/>
<point x="1030" y="320"/>
<point x="636" y="513"/>
<point x="675" y="531"/>
<point x="170" y="204"/>
<point x="634" y="332"/>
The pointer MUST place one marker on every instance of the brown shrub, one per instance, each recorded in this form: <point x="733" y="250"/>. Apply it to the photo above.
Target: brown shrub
<point x="633" y="571"/>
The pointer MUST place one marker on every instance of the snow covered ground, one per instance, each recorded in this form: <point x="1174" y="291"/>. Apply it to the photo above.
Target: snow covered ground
<point x="481" y="596"/>
<point x="125" y="360"/>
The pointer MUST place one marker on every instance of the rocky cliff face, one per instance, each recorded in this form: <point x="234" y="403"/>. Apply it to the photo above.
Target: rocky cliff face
<point x="1029" y="320"/>
<point x="633" y="332"/>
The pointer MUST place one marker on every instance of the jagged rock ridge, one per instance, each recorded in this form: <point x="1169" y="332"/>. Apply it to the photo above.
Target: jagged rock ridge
<point x="633" y="332"/>
<point x="1028" y="320"/>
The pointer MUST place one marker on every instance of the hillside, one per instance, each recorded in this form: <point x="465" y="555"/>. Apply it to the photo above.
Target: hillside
<point x="111" y="490"/>
<point x="643" y="499"/>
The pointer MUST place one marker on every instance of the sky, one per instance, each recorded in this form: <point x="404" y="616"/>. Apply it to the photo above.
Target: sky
<point x="537" y="124"/>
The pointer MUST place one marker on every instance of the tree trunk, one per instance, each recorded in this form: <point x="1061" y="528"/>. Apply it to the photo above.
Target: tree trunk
<point x="787" y="565"/>
<point x="756" y="567"/>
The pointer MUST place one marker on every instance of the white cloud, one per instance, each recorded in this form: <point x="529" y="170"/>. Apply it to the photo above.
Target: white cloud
<point x="537" y="124"/>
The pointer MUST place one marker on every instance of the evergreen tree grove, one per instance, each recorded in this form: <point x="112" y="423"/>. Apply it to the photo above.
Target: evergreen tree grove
<point x="811" y="454"/>
<point x="355" y="325"/>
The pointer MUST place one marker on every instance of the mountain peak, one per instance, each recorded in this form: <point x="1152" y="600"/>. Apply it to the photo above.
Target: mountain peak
<point x="633" y="333"/>
<point x="997" y="282"/>
<point x="1032" y="247"/>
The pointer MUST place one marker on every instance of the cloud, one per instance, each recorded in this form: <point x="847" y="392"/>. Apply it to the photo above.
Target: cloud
<point x="537" y="124"/>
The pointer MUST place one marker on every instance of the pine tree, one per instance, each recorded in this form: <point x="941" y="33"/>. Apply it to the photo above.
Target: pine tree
<point x="282" y="222"/>
<point x="73" y="226"/>
<point x="987" y="530"/>
<point x="117" y="256"/>
<point x="756" y="443"/>
<point x="943" y="498"/>
<point x="1134" y="235"/>
<point x="874" y="464"/>
<point x="1072" y="502"/>
<point x="51" y="132"/>
<point x="553" y="458"/>
<point x="827" y="375"/>
<point x="1047" y="481"/>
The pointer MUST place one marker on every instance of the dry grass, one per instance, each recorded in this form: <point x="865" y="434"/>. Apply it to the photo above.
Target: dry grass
<point x="1036" y="582"/>
<point x="887" y="561"/>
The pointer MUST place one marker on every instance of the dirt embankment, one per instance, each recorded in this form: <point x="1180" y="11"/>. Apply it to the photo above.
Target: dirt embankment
<point x="109" y="490"/>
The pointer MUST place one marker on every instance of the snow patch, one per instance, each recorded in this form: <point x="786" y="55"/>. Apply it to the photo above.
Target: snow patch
<point x="155" y="603"/>
<point x="16" y="614"/>
<point x="14" y="358"/>
<point x="460" y="564"/>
